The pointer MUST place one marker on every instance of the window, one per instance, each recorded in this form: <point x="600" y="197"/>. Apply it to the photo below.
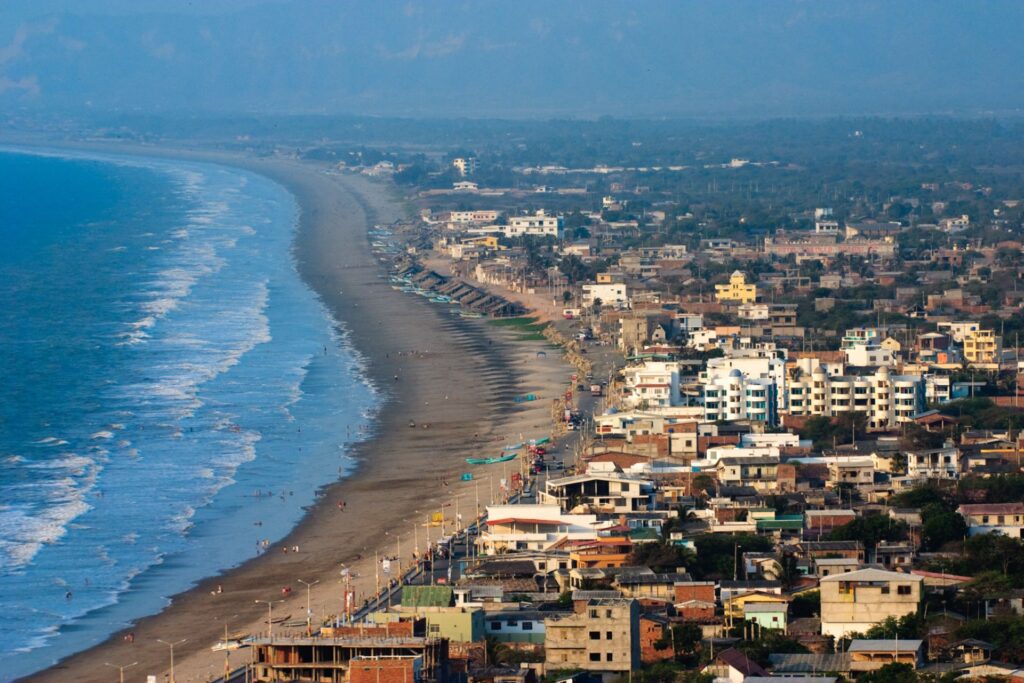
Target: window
<point x="495" y="625"/>
<point x="903" y="590"/>
<point x="607" y="635"/>
<point x="435" y="628"/>
<point x="593" y="614"/>
<point x="595" y="635"/>
<point x="608" y="657"/>
<point x="608" y="613"/>
<point x="527" y="626"/>
<point x="885" y="590"/>
<point x="595" y="656"/>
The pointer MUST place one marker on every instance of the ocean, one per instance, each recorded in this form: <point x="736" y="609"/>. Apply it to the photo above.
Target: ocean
<point x="171" y="392"/>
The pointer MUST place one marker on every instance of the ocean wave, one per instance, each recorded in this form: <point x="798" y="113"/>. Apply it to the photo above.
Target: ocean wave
<point x="102" y="434"/>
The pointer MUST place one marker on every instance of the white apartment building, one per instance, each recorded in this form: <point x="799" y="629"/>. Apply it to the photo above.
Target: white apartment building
<point x="471" y="217"/>
<point x="870" y="357"/>
<point x="608" y="492"/>
<point x="511" y="528"/>
<point x="653" y="384"/>
<point x="539" y="224"/>
<point x="754" y="365"/>
<point x="888" y="400"/>
<point x="958" y="331"/>
<point x="733" y="397"/>
<point x="464" y="165"/>
<point x="611" y="294"/>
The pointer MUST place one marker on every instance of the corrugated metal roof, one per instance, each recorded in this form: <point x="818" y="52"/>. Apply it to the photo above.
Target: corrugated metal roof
<point x="884" y="645"/>
<point x="872" y="575"/>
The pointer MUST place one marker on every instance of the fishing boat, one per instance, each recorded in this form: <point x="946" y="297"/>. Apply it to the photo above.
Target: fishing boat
<point x="540" y="441"/>
<point x="470" y="314"/>
<point x="491" y="461"/>
<point x="281" y="620"/>
<point x="513" y="447"/>
<point x="441" y="299"/>
<point x="233" y="643"/>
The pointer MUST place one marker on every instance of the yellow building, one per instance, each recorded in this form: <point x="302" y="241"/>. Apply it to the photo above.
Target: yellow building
<point x="734" y="606"/>
<point x="981" y="346"/>
<point x="737" y="291"/>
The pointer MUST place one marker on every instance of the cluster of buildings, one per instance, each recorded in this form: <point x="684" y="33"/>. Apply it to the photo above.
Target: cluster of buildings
<point x="709" y="438"/>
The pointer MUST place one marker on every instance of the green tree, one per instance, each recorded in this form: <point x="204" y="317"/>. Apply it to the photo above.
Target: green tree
<point x="870" y="530"/>
<point x="940" y="526"/>
<point x="890" y="673"/>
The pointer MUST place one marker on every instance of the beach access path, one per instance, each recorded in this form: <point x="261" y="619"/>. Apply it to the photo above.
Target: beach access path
<point x="459" y="376"/>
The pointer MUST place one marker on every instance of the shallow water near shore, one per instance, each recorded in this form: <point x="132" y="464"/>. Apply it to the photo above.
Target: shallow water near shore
<point x="173" y="392"/>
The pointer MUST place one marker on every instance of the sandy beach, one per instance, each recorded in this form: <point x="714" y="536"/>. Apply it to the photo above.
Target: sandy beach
<point x="459" y="376"/>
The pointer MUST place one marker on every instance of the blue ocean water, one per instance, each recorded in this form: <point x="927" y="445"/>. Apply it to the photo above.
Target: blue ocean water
<point x="171" y="392"/>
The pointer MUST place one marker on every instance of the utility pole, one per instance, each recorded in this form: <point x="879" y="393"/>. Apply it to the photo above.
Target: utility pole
<point x="121" y="668"/>
<point x="171" y="645"/>
<point x="309" y="611"/>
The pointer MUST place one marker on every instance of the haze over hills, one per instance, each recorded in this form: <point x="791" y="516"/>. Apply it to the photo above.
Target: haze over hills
<point x="522" y="59"/>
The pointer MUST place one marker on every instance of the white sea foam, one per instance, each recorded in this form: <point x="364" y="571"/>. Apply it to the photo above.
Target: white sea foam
<point x="103" y="434"/>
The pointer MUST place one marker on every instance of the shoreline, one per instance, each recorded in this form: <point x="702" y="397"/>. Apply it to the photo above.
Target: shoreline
<point x="461" y="382"/>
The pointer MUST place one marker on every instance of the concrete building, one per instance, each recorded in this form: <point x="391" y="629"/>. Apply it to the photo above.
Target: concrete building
<point x="601" y="491"/>
<point x="737" y="291"/>
<point x="651" y="384"/>
<point x="539" y="224"/>
<point x="513" y="528"/>
<point x="937" y="463"/>
<point x="465" y="166"/>
<point x="603" y="637"/>
<point x="856" y="601"/>
<point x="614" y="294"/>
<point x="887" y="400"/>
<point x="735" y="397"/>
<point x="994" y="518"/>
<point x="981" y="346"/>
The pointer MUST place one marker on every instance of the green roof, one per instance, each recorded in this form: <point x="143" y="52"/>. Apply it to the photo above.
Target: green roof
<point x="644" y="534"/>
<point x="426" y="596"/>
<point x="780" y="524"/>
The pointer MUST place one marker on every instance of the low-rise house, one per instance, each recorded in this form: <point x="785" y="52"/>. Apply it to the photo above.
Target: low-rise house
<point x="531" y="527"/>
<point x="760" y="473"/>
<point x="603" y="492"/>
<point x="851" y="471"/>
<point x="856" y="601"/>
<point x="871" y="655"/>
<point x="516" y="626"/>
<point x="936" y="463"/>
<point x="732" y="666"/>
<point x="735" y="607"/>
<point x="603" y="638"/>
<point x="767" y="615"/>
<point x="827" y="566"/>
<point x="999" y="518"/>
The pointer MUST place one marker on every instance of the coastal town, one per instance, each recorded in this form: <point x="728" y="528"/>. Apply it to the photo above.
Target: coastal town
<point x="793" y="456"/>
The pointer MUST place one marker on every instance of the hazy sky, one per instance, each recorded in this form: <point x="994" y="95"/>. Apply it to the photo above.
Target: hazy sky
<point x="515" y="58"/>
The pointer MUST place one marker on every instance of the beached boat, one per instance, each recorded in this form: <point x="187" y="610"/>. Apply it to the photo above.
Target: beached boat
<point x="470" y="314"/>
<point x="230" y="644"/>
<point x="441" y="299"/>
<point x="513" y="447"/>
<point x="540" y="441"/>
<point x="492" y="461"/>
<point x="281" y="620"/>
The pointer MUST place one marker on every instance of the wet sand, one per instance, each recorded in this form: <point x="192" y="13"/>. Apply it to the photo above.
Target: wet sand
<point x="459" y="376"/>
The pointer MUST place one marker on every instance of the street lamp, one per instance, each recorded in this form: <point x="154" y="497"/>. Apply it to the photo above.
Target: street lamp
<point x="270" y="616"/>
<point x="171" y="645"/>
<point x="121" y="669"/>
<point x="309" y="612"/>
